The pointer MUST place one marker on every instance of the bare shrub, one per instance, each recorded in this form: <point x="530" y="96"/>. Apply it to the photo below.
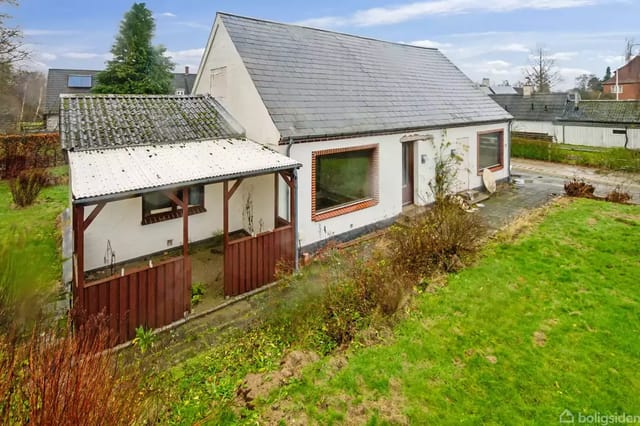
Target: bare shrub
<point x="64" y="378"/>
<point x="440" y="239"/>
<point x="579" y="188"/>
<point x="618" y="195"/>
<point x="26" y="187"/>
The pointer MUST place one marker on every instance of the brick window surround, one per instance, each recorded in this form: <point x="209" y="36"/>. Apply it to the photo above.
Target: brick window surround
<point x="499" y="166"/>
<point x="318" y="215"/>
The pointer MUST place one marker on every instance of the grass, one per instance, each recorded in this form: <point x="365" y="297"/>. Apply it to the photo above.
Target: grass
<point x="607" y="158"/>
<point x="545" y="321"/>
<point x="33" y="232"/>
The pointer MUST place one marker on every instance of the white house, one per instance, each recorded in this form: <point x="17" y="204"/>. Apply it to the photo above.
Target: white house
<point x="364" y="117"/>
<point x="607" y="123"/>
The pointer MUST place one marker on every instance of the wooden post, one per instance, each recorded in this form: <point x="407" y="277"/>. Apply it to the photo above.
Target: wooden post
<point x="277" y="200"/>
<point x="78" y="243"/>
<point x="225" y="213"/>
<point x="185" y="222"/>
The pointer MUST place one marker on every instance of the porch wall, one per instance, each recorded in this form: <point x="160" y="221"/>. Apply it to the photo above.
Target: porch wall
<point x="120" y="222"/>
<point x="463" y="139"/>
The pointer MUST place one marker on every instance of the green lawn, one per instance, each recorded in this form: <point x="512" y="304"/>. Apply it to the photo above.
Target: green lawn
<point x="32" y="232"/>
<point x="548" y="323"/>
<point x="541" y="324"/>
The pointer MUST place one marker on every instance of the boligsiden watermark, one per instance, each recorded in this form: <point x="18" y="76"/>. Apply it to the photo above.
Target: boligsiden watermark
<point x="567" y="417"/>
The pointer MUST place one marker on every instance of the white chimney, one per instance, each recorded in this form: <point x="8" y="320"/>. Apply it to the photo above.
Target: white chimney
<point x="527" y="90"/>
<point x="486" y="82"/>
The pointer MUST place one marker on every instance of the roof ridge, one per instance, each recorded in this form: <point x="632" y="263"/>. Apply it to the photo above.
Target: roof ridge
<point x="395" y="43"/>
<point x="132" y="95"/>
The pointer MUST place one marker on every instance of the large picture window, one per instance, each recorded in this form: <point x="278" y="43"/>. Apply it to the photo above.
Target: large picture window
<point x="344" y="180"/>
<point x="157" y="207"/>
<point x="490" y="150"/>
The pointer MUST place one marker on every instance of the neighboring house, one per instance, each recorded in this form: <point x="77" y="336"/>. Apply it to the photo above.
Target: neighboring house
<point x="625" y="83"/>
<point x="500" y="89"/>
<point x="148" y="173"/>
<point x="365" y="118"/>
<point x="67" y="81"/>
<point x="601" y="123"/>
<point x="534" y="113"/>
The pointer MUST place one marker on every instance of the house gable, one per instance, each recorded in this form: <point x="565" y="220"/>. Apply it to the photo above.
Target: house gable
<point x="316" y="83"/>
<point x="240" y="96"/>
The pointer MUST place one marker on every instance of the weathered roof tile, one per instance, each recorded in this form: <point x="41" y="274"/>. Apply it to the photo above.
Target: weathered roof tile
<point x="108" y="121"/>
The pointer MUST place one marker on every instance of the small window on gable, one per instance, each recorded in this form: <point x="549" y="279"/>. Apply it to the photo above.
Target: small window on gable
<point x="80" y="81"/>
<point x="157" y="207"/>
<point x="218" y="82"/>
<point x="180" y="92"/>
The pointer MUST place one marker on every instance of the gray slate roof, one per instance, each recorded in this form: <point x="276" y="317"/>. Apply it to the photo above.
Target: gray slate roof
<point x="316" y="83"/>
<point x="114" y="121"/>
<point x="612" y="112"/>
<point x="57" y="80"/>
<point x="537" y="107"/>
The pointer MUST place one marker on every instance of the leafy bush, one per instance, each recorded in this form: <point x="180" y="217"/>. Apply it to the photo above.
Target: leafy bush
<point x="145" y="338"/>
<point x="440" y="239"/>
<point x="197" y="292"/>
<point x="26" y="187"/>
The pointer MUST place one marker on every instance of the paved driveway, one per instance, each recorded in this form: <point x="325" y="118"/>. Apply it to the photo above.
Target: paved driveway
<point x="540" y="181"/>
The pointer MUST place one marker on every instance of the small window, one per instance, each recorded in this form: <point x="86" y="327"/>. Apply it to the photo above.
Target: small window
<point x="617" y="89"/>
<point x="344" y="181"/>
<point x="490" y="149"/>
<point x="180" y="92"/>
<point x="157" y="207"/>
<point x="80" y="81"/>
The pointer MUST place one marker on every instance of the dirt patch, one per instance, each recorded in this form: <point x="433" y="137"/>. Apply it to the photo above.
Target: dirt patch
<point x="492" y="359"/>
<point x="524" y="223"/>
<point x="592" y="221"/>
<point x="539" y="338"/>
<point x="388" y="410"/>
<point x="260" y="385"/>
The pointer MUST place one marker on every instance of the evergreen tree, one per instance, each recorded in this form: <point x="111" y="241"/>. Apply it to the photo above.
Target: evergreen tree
<point x="137" y="66"/>
<point x="607" y="75"/>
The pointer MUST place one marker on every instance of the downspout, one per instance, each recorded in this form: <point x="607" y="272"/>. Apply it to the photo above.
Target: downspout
<point x="510" y="144"/>
<point x="296" y="253"/>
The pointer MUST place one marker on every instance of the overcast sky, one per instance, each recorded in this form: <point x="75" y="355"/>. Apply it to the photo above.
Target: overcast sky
<point x="487" y="38"/>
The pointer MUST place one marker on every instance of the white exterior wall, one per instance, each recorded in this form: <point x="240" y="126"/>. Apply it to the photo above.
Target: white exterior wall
<point x="546" y="127"/>
<point x="597" y="136"/>
<point x="52" y="122"/>
<point x="120" y="222"/>
<point x="463" y="139"/>
<point x="242" y="99"/>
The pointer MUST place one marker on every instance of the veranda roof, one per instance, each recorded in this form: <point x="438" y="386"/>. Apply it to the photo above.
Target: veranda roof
<point x="112" y="173"/>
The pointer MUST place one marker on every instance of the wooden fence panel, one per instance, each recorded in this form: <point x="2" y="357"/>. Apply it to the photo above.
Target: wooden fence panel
<point x="151" y="297"/>
<point x="250" y="263"/>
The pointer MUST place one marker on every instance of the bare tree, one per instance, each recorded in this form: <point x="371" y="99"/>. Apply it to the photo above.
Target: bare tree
<point x="11" y="49"/>
<point x="542" y="72"/>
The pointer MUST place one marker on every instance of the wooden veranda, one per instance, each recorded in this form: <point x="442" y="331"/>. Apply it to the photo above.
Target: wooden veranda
<point x="158" y="295"/>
